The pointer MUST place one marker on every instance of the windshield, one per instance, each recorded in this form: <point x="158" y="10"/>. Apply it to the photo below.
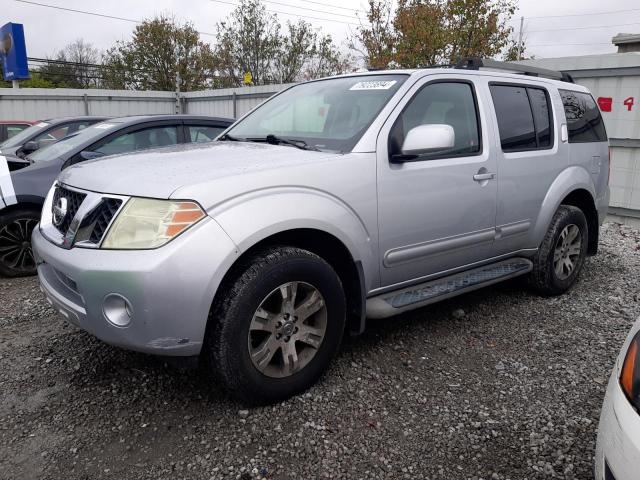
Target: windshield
<point x="56" y="150"/>
<point x="20" y="138"/>
<point x="328" y="114"/>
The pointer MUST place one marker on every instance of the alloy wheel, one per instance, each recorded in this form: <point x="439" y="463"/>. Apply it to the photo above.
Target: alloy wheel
<point x="15" y="245"/>
<point x="287" y="329"/>
<point x="566" y="255"/>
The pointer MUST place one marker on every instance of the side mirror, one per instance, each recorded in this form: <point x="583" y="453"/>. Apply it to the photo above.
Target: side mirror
<point x="30" y="147"/>
<point x="428" y="139"/>
<point x="89" y="155"/>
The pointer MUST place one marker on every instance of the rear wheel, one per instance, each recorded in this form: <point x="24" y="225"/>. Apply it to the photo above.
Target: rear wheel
<point x="562" y="253"/>
<point x="276" y="325"/>
<point x="16" y="255"/>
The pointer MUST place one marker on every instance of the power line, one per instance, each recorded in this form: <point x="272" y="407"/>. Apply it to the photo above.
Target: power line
<point x="324" y="4"/>
<point x="586" y="14"/>
<point x="310" y="9"/>
<point x="294" y="14"/>
<point x="584" y="28"/>
<point x="112" y="17"/>
<point x="563" y="44"/>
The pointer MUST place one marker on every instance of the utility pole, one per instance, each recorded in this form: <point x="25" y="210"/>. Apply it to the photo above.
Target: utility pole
<point x="178" y="105"/>
<point x="520" y="38"/>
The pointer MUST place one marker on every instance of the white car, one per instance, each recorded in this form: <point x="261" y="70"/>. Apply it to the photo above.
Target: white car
<point x="618" y="448"/>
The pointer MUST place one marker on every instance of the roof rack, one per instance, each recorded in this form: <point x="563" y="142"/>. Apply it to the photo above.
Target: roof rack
<point x="476" y="63"/>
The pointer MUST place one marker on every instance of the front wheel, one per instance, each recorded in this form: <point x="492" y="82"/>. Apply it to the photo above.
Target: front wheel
<point x="16" y="255"/>
<point x="562" y="253"/>
<point x="276" y="325"/>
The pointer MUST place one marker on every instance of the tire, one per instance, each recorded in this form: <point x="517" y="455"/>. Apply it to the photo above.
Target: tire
<point x="545" y="277"/>
<point x="240" y="353"/>
<point x="16" y="255"/>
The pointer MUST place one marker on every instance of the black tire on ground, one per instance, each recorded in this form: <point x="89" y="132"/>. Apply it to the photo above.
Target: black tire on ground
<point x="227" y="342"/>
<point x="544" y="277"/>
<point x="16" y="256"/>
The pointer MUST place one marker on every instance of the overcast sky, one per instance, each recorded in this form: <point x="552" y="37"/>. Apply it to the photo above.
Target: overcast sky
<point x="567" y="33"/>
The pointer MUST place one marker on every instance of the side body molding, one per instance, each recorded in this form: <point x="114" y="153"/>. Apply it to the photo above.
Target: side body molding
<point x="570" y="179"/>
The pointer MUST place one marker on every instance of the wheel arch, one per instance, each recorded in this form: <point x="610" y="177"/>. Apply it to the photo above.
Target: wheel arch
<point x="328" y="247"/>
<point x="25" y="205"/>
<point x="574" y="186"/>
<point x="583" y="200"/>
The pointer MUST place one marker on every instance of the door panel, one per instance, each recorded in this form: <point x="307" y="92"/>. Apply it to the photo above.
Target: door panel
<point x="526" y="168"/>
<point x="433" y="215"/>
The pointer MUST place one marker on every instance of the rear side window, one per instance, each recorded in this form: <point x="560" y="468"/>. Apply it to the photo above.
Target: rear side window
<point x="524" y="117"/>
<point x="584" y="121"/>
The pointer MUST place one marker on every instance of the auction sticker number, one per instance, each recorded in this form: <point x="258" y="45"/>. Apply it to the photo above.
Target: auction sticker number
<point x="374" y="85"/>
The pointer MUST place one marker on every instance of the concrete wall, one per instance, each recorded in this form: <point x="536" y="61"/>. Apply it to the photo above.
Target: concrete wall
<point x="42" y="103"/>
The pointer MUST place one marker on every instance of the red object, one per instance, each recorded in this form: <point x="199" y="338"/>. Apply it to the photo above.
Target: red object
<point x="605" y="103"/>
<point x="628" y="102"/>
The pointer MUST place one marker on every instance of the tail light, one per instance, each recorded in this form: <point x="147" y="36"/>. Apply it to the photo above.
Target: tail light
<point x="630" y="376"/>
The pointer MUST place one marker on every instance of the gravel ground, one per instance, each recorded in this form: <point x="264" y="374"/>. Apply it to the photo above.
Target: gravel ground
<point x="497" y="384"/>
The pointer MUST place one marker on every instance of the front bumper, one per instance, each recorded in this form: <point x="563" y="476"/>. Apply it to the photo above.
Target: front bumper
<point x="169" y="289"/>
<point x="618" y="436"/>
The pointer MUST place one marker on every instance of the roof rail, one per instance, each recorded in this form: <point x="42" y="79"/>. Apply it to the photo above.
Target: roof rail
<point x="476" y="63"/>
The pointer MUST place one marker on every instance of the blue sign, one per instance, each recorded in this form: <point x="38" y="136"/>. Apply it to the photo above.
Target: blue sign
<point x="13" y="52"/>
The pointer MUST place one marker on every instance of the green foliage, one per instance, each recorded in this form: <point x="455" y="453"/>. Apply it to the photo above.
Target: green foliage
<point x="431" y="32"/>
<point x="36" y="81"/>
<point x="250" y="40"/>
<point x="159" y="50"/>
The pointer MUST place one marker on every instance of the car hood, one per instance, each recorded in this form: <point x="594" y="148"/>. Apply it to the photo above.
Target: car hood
<point x="189" y="171"/>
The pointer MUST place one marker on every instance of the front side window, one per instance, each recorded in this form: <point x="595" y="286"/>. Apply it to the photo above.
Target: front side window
<point x="584" y="121"/>
<point x="330" y="114"/>
<point x="442" y="103"/>
<point x="203" y="133"/>
<point x="139" y="140"/>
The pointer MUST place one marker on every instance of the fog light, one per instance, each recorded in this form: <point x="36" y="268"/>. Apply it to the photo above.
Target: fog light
<point x="117" y="310"/>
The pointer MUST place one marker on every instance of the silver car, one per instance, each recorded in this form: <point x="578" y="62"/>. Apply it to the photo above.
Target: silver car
<point x="357" y="196"/>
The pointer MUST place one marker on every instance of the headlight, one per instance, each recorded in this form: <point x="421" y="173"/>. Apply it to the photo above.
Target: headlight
<point x="630" y="377"/>
<point x="147" y="223"/>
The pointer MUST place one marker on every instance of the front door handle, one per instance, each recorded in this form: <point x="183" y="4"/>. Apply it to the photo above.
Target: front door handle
<point x="481" y="177"/>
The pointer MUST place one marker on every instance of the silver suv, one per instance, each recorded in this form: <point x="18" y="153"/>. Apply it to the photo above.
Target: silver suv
<point x="339" y="199"/>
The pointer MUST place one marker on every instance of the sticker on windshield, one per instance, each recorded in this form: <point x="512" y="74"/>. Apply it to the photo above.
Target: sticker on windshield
<point x="103" y="125"/>
<point x="41" y="124"/>
<point x="374" y="85"/>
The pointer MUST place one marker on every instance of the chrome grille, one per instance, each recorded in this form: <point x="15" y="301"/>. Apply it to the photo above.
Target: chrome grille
<point x="104" y="214"/>
<point x="74" y="200"/>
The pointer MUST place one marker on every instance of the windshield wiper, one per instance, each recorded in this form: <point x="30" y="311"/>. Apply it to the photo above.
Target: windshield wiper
<point x="226" y="136"/>
<point x="301" y="144"/>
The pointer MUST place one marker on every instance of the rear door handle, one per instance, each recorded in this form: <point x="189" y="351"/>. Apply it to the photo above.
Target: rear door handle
<point x="481" y="177"/>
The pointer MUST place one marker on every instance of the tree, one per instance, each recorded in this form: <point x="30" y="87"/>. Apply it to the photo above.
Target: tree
<point x="248" y="41"/>
<point x="36" y="81"/>
<point x="159" y="50"/>
<point x="75" y="66"/>
<point x="376" y="43"/>
<point x="432" y="32"/>
<point x="511" y="51"/>
<point x="326" y="60"/>
<point x="297" y="49"/>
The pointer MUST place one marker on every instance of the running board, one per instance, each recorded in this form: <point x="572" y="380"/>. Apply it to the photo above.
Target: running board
<point x="393" y="303"/>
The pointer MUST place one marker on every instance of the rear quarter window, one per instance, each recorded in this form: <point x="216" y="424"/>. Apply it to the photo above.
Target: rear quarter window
<point x="584" y="121"/>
